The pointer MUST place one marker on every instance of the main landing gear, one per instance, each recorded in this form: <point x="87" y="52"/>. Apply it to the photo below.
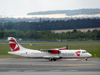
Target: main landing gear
<point x="50" y="59"/>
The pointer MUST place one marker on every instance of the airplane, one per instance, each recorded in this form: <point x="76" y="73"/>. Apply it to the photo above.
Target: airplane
<point x="51" y="54"/>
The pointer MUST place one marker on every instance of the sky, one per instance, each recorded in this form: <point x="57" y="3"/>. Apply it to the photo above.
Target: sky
<point x="22" y="7"/>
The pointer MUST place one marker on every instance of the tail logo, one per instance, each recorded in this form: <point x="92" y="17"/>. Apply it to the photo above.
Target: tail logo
<point x="14" y="45"/>
<point x="78" y="53"/>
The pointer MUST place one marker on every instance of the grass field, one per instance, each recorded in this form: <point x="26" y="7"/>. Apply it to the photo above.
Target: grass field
<point x="96" y="41"/>
<point x="93" y="49"/>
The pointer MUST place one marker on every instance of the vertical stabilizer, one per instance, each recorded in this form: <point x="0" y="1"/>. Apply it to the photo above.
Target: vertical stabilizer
<point x="14" y="45"/>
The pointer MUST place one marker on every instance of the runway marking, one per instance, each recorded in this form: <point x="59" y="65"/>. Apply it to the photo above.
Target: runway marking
<point x="78" y="64"/>
<point x="62" y="65"/>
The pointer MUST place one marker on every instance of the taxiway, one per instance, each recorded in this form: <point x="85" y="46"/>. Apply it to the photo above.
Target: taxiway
<point x="43" y="65"/>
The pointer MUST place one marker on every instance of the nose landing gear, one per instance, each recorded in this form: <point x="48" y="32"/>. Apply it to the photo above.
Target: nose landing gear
<point x="86" y="59"/>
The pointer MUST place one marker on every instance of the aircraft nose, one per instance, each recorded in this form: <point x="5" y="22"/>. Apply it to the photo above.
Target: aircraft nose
<point x="90" y="54"/>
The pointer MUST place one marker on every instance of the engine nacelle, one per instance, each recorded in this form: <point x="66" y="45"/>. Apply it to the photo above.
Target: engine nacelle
<point x="62" y="49"/>
<point x="54" y="51"/>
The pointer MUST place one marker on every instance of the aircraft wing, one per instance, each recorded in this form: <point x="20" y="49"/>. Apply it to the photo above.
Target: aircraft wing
<point x="62" y="48"/>
<point x="53" y="51"/>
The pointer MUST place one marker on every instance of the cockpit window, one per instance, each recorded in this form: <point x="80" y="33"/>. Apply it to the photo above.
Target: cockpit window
<point x="84" y="51"/>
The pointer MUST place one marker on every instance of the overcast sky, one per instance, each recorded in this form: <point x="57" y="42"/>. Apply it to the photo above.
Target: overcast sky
<point x="22" y="7"/>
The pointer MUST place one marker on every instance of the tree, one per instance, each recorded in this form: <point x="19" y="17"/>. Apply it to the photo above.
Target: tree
<point x="75" y="30"/>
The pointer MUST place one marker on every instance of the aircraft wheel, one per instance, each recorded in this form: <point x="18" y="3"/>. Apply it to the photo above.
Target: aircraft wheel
<point x="54" y="59"/>
<point x="86" y="59"/>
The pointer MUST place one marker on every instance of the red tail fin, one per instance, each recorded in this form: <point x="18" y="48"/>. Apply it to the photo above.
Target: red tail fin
<point x="13" y="44"/>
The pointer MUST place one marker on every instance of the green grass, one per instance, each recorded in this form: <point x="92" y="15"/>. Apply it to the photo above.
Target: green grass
<point x="93" y="49"/>
<point x="96" y="41"/>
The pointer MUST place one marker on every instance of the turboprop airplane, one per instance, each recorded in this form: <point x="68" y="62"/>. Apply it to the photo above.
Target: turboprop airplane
<point x="51" y="54"/>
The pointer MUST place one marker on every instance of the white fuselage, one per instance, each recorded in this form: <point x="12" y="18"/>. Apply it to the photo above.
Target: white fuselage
<point x="63" y="54"/>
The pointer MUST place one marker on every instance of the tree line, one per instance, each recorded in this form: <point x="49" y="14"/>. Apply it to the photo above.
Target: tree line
<point x="51" y="25"/>
<point x="47" y="34"/>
